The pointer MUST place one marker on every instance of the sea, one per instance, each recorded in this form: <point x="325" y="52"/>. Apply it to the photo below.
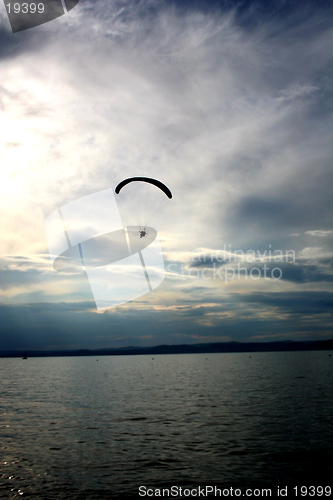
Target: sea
<point x="167" y="426"/>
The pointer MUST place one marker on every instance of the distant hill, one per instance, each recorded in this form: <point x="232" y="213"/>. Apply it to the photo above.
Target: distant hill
<point x="288" y="345"/>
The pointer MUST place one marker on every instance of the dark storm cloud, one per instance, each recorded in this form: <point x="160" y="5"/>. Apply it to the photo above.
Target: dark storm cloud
<point x="328" y="261"/>
<point x="299" y="206"/>
<point x="235" y="316"/>
<point x="297" y="303"/>
<point x="8" y="43"/>
<point x="267" y="211"/>
<point x="310" y="273"/>
<point x="283" y="302"/>
<point x="250" y="13"/>
<point x="11" y="44"/>
<point x="48" y="326"/>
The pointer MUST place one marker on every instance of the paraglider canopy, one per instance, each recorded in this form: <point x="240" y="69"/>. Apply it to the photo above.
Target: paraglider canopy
<point x="150" y="180"/>
<point x="141" y="202"/>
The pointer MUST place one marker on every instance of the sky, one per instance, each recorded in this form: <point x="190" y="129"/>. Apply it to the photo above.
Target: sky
<point x="230" y="105"/>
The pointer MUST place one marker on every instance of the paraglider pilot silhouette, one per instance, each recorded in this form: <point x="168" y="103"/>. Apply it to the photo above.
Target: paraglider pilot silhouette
<point x="107" y="236"/>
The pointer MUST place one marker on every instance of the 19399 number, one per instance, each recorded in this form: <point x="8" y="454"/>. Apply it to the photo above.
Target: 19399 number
<point x="25" y="8"/>
<point x="312" y="491"/>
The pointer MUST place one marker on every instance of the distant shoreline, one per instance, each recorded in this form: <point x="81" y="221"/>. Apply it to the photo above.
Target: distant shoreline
<point x="209" y="348"/>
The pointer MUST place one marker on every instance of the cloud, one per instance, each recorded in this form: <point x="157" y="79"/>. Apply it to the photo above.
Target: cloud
<point x="235" y="317"/>
<point x="294" y="303"/>
<point x="187" y="95"/>
<point x="299" y="273"/>
<point x="229" y="106"/>
<point x="320" y="233"/>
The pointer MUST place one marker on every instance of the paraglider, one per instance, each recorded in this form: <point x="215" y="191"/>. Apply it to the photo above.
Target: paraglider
<point x="141" y="201"/>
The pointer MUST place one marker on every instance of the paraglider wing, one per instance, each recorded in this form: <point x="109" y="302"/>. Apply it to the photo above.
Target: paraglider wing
<point x="155" y="182"/>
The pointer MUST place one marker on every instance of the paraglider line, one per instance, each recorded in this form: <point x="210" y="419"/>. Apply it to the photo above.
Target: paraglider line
<point x="128" y="241"/>
<point x="81" y="255"/>
<point x="65" y="229"/>
<point x="145" y="271"/>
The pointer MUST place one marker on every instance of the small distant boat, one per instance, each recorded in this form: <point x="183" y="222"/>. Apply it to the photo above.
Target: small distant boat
<point x="24" y="357"/>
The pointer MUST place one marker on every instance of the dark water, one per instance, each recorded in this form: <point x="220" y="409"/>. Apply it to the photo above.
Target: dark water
<point x="78" y="428"/>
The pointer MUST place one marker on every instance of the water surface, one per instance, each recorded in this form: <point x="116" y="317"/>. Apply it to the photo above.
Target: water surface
<point x="95" y="428"/>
